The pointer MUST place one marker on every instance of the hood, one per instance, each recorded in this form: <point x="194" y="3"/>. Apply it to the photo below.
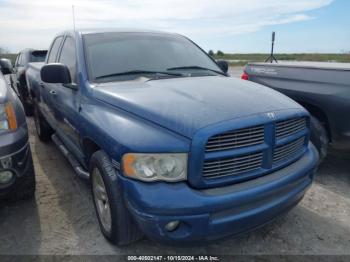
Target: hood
<point x="185" y="105"/>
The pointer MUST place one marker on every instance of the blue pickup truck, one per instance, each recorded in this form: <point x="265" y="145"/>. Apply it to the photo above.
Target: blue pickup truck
<point x="174" y="147"/>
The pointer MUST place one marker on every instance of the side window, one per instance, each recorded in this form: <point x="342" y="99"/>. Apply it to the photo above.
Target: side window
<point x="20" y="58"/>
<point x="17" y="60"/>
<point x="68" y="57"/>
<point x="24" y="58"/>
<point x="54" y="49"/>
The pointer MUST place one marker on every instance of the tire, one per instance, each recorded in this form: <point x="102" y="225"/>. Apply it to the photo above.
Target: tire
<point x="27" y="105"/>
<point x="319" y="137"/>
<point x="28" y="108"/>
<point x="121" y="229"/>
<point x="43" y="129"/>
<point x="26" y="189"/>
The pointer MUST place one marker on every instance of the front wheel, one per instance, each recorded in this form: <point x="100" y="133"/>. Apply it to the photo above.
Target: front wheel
<point x="43" y="129"/>
<point x="115" y="221"/>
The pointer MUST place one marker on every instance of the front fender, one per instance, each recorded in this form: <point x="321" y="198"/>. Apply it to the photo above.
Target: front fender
<point x="118" y="132"/>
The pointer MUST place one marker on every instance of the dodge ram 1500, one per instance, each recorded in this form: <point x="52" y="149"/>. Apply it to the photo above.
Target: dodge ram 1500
<point x="174" y="148"/>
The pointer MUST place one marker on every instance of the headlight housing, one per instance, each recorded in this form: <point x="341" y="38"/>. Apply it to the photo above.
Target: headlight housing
<point x="155" y="167"/>
<point x="7" y="117"/>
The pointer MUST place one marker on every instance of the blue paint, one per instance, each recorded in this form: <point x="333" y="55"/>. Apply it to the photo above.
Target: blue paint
<point x="179" y="115"/>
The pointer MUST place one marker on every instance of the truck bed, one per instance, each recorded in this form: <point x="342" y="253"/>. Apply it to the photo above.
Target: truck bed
<point x="306" y="64"/>
<point x="323" y="88"/>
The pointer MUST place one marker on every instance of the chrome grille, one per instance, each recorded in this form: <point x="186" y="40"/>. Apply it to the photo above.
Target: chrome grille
<point x="285" y="152"/>
<point x="232" y="166"/>
<point x="289" y="127"/>
<point x="236" y="139"/>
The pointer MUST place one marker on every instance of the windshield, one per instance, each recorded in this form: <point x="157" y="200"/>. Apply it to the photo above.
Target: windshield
<point x="112" y="54"/>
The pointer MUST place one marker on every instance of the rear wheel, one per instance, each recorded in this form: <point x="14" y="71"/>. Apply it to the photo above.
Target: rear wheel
<point x="28" y="107"/>
<point x="25" y="99"/>
<point x="116" y="223"/>
<point x="319" y="137"/>
<point x="43" y="129"/>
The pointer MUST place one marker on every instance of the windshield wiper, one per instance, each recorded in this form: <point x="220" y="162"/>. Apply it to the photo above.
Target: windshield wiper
<point x="139" y="72"/>
<point x="196" y="67"/>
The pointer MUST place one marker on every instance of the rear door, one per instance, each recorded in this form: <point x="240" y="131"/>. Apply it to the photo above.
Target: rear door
<point x="47" y="89"/>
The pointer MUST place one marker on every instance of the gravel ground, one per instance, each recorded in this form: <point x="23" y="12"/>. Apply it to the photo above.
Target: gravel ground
<point x="61" y="218"/>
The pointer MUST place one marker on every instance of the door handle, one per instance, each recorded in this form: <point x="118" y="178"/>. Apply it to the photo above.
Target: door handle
<point x="42" y="84"/>
<point x="52" y="92"/>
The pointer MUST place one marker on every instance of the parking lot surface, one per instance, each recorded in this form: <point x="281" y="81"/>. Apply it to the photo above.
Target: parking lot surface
<point x="61" y="219"/>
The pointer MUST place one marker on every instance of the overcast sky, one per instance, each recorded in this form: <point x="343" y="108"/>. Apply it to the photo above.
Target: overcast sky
<point x="229" y="25"/>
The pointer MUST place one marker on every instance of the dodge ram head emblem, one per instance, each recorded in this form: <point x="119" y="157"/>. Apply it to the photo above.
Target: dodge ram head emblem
<point x="271" y="115"/>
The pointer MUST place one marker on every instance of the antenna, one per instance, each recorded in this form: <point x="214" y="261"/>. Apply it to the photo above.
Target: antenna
<point x="272" y="58"/>
<point x="73" y="17"/>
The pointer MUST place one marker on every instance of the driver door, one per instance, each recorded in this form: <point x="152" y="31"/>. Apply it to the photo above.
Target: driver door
<point x="66" y="99"/>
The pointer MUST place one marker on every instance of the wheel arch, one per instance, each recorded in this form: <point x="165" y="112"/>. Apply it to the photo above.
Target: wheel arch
<point x="89" y="147"/>
<point x="317" y="112"/>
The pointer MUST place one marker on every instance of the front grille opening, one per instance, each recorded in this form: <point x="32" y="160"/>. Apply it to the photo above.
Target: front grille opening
<point x="252" y="162"/>
<point x="290" y="127"/>
<point x="288" y="151"/>
<point x="232" y="166"/>
<point x="236" y="139"/>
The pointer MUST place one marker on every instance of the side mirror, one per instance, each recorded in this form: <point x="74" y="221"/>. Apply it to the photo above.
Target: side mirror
<point x="6" y="66"/>
<point x="55" y="73"/>
<point x="223" y="65"/>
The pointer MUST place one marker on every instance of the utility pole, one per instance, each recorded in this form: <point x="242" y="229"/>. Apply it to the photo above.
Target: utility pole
<point x="272" y="57"/>
<point x="73" y="17"/>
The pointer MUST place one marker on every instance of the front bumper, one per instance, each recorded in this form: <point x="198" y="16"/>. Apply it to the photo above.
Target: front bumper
<point x="15" y="156"/>
<point x="218" y="212"/>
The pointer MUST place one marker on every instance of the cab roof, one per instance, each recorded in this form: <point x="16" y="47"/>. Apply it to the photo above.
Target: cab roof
<point x="87" y="31"/>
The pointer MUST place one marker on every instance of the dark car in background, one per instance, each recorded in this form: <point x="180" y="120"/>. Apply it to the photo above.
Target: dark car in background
<point x="18" y="77"/>
<point x="17" y="178"/>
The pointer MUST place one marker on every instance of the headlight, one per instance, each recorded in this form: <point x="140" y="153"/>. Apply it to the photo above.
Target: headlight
<point x="7" y="117"/>
<point x="154" y="167"/>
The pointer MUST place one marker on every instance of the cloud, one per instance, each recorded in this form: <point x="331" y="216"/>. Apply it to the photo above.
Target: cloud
<point x="33" y="23"/>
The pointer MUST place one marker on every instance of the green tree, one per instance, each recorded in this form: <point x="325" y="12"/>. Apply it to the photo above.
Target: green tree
<point x="220" y="53"/>
<point x="211" y="53"/>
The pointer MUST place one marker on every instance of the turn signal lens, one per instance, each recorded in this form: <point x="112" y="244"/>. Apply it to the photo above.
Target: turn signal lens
<point x="11" y="116"/>
<point x="128" y="161"/>
<point x="7" y="118"/>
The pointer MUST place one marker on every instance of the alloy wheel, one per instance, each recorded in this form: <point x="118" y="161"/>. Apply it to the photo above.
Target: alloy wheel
<point x="101" y="200"/>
